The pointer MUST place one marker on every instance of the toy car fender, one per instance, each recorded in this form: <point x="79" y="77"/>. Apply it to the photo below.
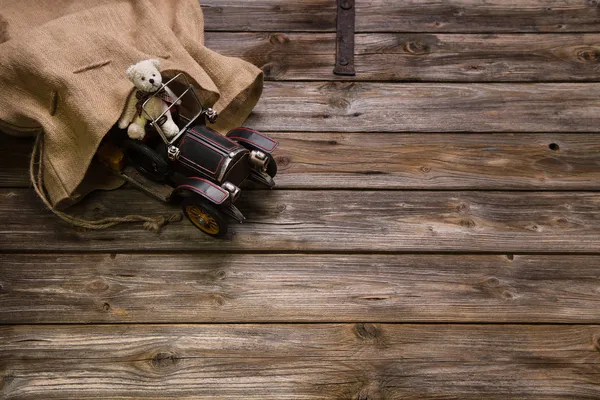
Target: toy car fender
<point x="206" y="189"/>
<point x="253" y="140"/>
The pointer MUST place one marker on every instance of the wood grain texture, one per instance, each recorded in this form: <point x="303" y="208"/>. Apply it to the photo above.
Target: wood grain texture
<point x="419" y="57"/>
<point x="348" y="221"/>
<point x="406" y="161"/>
<point x="406" y="16"/>
<point x="244" y="288"/>
<point x="348" y="361"/>
<point x="427" y="107"/>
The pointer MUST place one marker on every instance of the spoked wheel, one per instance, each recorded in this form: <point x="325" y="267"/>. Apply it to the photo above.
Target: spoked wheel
<point x="204" y="216"/>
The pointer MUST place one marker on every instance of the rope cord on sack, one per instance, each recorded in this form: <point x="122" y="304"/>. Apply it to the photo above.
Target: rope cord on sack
<point x="36" y="176"/>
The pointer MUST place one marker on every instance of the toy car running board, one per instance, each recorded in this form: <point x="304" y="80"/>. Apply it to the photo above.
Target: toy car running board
<point x="159" y="191"/>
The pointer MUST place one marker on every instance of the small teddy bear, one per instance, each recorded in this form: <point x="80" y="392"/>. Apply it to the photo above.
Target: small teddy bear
<point x="147" y="80"/>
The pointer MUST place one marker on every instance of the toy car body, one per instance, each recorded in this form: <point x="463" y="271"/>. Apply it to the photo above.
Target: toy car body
<point x="200" y="166"/>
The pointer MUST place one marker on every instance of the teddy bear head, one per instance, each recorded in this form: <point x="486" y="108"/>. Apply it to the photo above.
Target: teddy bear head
<point x="145" y="75"/>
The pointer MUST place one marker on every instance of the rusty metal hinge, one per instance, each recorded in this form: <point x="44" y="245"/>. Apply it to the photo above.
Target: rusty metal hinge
<point x="344" y="60"/>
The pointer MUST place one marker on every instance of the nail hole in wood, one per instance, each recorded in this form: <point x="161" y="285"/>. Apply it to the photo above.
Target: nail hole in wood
<point x="553" y="146"/>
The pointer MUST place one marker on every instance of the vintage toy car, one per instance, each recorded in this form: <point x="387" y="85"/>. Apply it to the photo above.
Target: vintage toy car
<point x="199" y="166"/>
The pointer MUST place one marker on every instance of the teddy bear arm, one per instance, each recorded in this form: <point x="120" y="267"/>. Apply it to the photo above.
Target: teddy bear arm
<point x="172" y="95"/>
<point x="128" y="112"/>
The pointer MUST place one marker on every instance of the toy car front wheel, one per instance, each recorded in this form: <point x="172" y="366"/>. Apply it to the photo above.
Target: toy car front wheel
<point x="271" y="167"/>
<point x="204" y="216"/>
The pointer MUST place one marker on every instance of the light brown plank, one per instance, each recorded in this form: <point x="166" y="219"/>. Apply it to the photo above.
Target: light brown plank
<point x="419" y="57"/>
<point x="406" y="16"/>
<point x="346" y="221"/>
<point x="427" y="107"/>
<point x="406" y="161"/>
<point x="201" y="288"/>
<point x="361" y="361"/>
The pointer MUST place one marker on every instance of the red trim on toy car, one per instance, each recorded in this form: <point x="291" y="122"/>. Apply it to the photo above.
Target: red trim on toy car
<point x="205" y="192"/>
<point x="218" y="145"/>
<point x="182" y="157"/>
<point x="243" y="139"/>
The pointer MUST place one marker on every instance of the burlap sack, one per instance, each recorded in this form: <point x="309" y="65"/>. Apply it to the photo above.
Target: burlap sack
<point x="62" y="70"/>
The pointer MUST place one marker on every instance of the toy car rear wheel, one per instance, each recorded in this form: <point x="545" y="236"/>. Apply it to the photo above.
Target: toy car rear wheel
<point x="204" y="216"/>
<point x="146" y="160"/>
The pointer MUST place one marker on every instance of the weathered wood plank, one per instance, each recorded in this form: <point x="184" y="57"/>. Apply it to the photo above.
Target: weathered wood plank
<point x="427" y="107"/>
<point x="347" y="221"/>
<point x="242" y="288"/>
<point x="301" y="361"/>
<point x="419" y="57"/>
<point x="406" y="161"/>
<point x="406" y="16"/>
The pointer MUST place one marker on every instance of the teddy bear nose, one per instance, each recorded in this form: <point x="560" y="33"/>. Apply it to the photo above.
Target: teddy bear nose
<point x="151" y="81"/>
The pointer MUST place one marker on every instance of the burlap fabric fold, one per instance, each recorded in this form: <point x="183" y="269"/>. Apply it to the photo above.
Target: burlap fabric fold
<point x="62" y="71"/>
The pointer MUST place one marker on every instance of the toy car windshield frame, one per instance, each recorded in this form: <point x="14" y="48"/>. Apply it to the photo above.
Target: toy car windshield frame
<point x="155" y="122"/>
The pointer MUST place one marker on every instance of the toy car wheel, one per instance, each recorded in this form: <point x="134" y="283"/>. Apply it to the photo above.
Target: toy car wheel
<point x="146" y="160"/>
<point x="204" y="216"/>
<point x="271" y="167"/>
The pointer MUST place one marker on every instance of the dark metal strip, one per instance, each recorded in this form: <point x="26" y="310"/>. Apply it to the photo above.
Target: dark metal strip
<point x="344" y="60"/>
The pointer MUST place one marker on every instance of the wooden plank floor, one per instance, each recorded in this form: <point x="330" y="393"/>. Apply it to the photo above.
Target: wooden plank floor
<point x="435" y="231"/>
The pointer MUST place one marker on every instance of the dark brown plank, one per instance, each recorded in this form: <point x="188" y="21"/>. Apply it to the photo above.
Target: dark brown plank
<point x="301" y="362"/>
<point x="406" y="161"/>
<point x="14" y="160"/>
<point x="346" y="221"/>
<point x="406" y="16"/>
<point x="427" y="107"/>
<point x="419" y="57"/>
<point x="234" y="288"/>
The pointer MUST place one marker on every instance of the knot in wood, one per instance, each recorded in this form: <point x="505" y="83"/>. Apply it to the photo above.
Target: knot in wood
<point x="492" y="282"/>
<point x="416" y="48"/>
<point x="98" y="286"/>
<point x="279" y="38"/>
<point x="367" y="331"/>
<point x="589" y="55"/>
<point x="164" y="360"/>
<point x="272" y="70"/>
<point x="467" y="223"/>
<point x="507" y="295"/>
<point x="282" y="161"/>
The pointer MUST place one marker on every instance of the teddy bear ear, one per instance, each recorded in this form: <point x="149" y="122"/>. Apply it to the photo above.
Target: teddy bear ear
<point x="155" y="62"/>
<point x="130" y="72"/>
